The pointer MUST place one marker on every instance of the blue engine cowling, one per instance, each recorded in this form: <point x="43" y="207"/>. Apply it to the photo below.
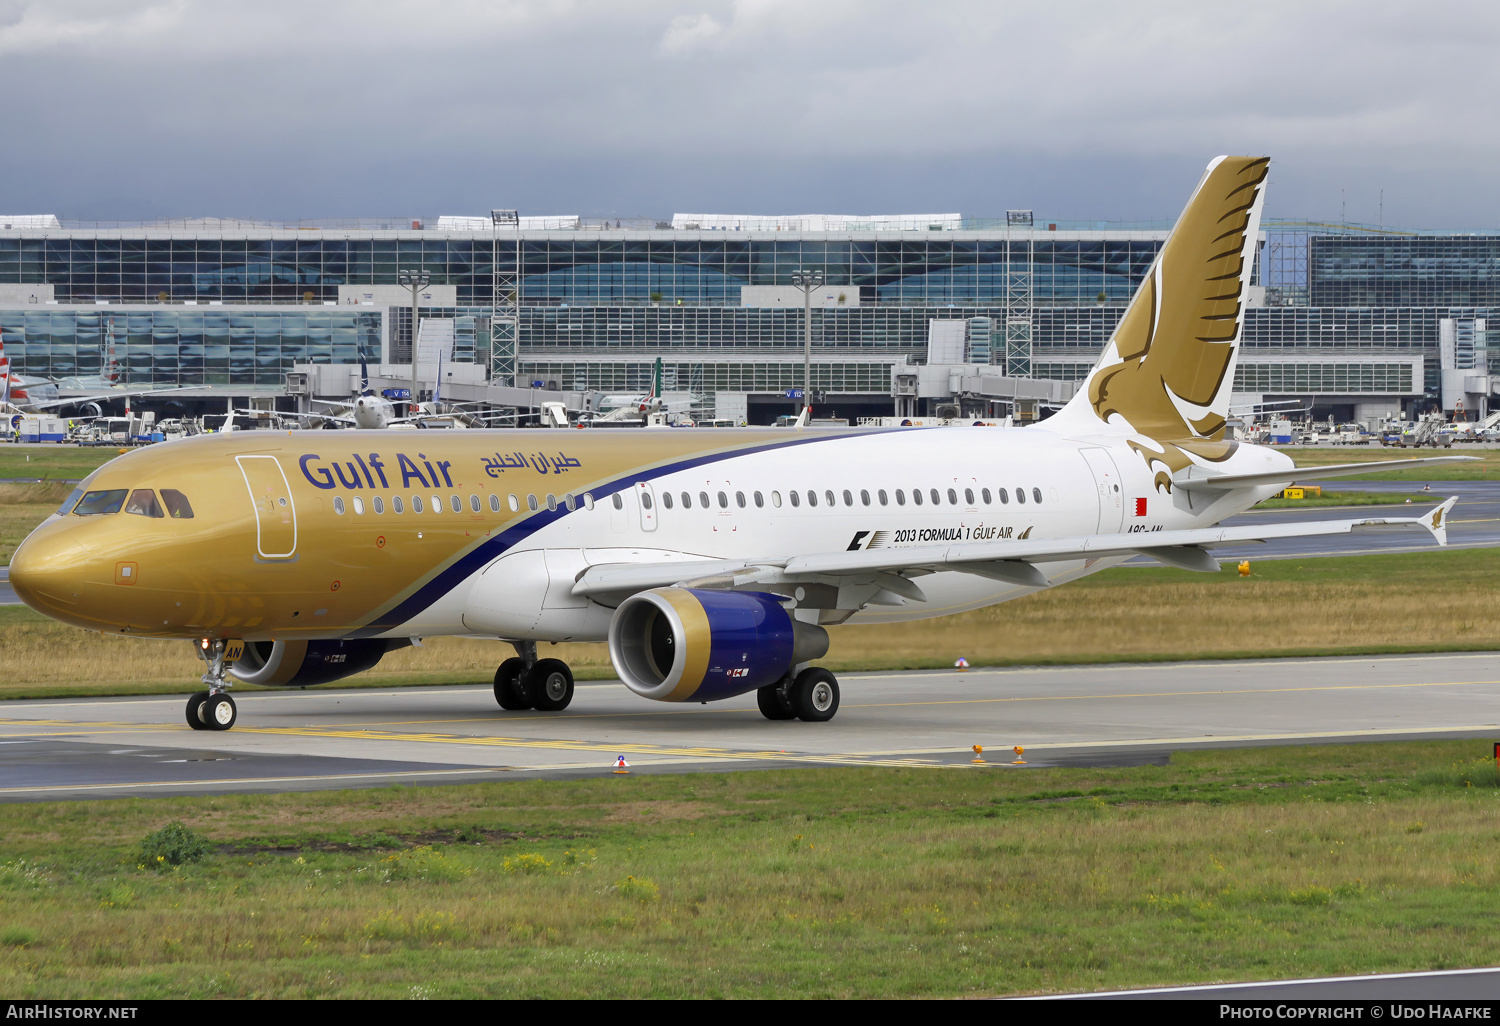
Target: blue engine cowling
<point x="301" y="664"/>
<point x="693" y="645"/>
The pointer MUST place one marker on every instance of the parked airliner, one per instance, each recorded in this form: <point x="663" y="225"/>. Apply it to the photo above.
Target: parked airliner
<point x="713" y="562"/>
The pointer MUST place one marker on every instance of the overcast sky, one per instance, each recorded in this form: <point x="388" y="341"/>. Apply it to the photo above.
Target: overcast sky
<point x="1081" y="110"/>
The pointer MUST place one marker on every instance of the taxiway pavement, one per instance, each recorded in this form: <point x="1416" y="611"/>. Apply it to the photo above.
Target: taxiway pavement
<point x="1116" y="714"/>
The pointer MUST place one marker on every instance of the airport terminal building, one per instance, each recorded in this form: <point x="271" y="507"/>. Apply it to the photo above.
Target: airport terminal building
<point x="910" y="313"/>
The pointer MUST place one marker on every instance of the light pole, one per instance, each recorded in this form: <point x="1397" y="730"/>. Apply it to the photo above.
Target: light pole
<point x="416" y="281"/>
<point x="808" y="282"/>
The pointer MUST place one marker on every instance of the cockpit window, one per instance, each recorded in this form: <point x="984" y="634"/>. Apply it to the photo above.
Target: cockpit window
<point x="108" y="501"/>
<point x="70" y="501"/>
<point x="178" y="507"/>
<point x="143" y="503"/>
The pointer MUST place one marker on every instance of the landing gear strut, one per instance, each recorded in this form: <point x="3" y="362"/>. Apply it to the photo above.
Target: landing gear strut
<point x="526" y="682"/>
<point x="811" y="695"/>
<point x="213" y="709"/>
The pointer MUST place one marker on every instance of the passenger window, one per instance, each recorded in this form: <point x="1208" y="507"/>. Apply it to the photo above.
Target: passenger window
<point x="849" y="499"/>
<point x="178" y="507"/>
<point x="531" y="502"/>
<point x="588" y="500"/>
<point x="416" y="503"/>
<point x="570" y="504"/>
<point x="338" y="505"/>
<point x="494" y="503"/>
<point x="739" y="499"/>
<point x="645" y="501"/>
<point x="614" y="499"/>
<point x="101" y="502"/>
<point x="143" y="503"/>
<point x="474" y="503"/>
<point x="812" y="497"/>
<point x="376" y="502"/>
<point x="703" y="499"/>
<point x="396" y="504"/>
<point x="760" y="501"/>
<point x="359" y="505"/>
<point x="968" y="496"/>
<point x="687" y="501"/>
<point x="936" y="498"/>
<point x="552" y="502"/>
<point x="514" y="503"/>
<point x="666" y="499"/>
<point x="884" y="499"/>
<point x="723" y="501"/>
<point x="831" y="500"/>
<point x="1036" y="494"/>
<point x="776" y="499"/>
<point x="1021" y="496"/>
<point x="916" y="496"/>
<point x="984" y="493"/>
<point x="864" y="496"/>
<point x="456" y="503"/>
<point x="437" y="503"/>
<point x="952" y="497"/>
<point x="793" y="496"/>
<point x="900" y="497"/>
<point x="1004" y="496"/>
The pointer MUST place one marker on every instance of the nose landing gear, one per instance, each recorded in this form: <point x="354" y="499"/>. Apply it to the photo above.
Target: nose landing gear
<point x="214" y="709"/>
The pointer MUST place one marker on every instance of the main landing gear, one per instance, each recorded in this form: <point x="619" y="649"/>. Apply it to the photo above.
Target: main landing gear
<point x="212" y="709"/>
<point x="526" y="682"/>
<point x="812" y="695"/>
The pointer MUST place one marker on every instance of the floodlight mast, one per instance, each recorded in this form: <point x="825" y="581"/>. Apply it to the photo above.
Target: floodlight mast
<point x="808" y="282"/>
<point x="505" y="305"/>
<point x="416" y="280"/>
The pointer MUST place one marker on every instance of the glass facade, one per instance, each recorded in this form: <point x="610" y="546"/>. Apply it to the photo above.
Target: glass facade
<point x="184" y="346"/>
<point x="1406" y="270"/>
<point x="584" y="268"/>
<point x="595" y="306"/>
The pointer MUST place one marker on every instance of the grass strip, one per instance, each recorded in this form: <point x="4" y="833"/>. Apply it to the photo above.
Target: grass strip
<point x="1225" y="865"/>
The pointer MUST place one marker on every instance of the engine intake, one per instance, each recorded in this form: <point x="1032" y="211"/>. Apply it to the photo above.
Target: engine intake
<point x="685" y="644"/>
<point x="301" y="664"/>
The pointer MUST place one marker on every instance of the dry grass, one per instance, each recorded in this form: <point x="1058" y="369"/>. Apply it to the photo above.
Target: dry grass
<point x="1079" y="623"/>
<point x="1409" y="602"/>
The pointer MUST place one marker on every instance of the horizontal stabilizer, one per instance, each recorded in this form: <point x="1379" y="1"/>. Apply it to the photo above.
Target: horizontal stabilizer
<point x="1227" y="482"/>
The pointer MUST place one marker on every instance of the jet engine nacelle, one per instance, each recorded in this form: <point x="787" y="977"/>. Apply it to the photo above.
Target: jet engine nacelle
<point x="685" y="644"/>
<point x="300" y="664"/>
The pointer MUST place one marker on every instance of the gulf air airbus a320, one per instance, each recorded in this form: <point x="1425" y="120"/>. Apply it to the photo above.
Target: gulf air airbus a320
<point x="712" y="561"/>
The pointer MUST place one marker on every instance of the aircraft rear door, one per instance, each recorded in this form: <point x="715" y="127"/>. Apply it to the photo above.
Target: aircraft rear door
<point x="1111" y="498"/>
<point x="275" y="513"/>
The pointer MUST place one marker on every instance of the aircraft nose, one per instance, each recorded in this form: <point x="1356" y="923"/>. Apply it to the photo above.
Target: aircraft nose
<point x="45" y="576"/>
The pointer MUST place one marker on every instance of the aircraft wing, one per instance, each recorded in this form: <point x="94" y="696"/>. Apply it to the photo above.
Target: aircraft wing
<point x="1226" y="482"/>
<point x="119" y="394"/>
<point x="1011" y="561"/>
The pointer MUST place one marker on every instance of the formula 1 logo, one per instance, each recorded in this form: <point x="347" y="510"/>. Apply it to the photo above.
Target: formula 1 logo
<point x="738" y="671"/>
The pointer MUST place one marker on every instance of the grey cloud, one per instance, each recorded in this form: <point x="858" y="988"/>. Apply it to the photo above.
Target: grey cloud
<point x="1090" y="109"/>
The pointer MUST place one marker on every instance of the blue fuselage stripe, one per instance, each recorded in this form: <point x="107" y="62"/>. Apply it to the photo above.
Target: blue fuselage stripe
<point x="481" y="555"/>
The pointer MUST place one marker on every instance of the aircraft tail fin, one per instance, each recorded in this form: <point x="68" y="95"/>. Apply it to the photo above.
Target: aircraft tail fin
<point x="1167" y="372"/>
<point x="364" y="374"/>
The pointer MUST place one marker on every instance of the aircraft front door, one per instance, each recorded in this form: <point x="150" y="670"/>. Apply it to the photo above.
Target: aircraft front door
<point x="275" y="514"/>
<point x="1111" y="498"/>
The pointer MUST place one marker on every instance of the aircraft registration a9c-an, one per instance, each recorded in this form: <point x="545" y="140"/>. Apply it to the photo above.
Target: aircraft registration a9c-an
<point x="712" y="561"/>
